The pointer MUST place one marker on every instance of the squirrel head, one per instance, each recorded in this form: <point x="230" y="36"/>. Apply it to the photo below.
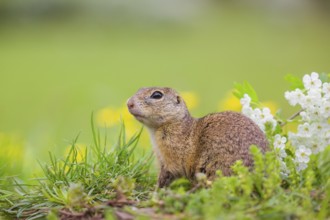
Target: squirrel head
<point x="157" y="106"/>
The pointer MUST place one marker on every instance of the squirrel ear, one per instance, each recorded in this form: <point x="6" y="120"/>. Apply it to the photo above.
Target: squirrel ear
<point x="178" y="100"/>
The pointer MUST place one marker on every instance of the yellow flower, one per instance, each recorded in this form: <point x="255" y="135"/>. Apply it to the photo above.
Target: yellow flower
<point x="11" y="147"/>
<point x="108" y="117"/>
<point x="271" y="105"/>
<point x="230" y="102"/>
<point x="12" y="154"/>
<point x="190" y="98"/>
<point x="81" y="152"/>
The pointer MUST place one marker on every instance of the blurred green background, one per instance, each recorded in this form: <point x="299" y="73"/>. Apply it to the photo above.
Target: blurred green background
<point x="62" y="60"/>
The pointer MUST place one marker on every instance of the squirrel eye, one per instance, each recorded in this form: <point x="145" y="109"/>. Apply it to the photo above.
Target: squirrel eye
<point x="156" y="95"/>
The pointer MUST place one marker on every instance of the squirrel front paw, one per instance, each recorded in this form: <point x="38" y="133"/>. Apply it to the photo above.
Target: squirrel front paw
<point x="165" y="178"/>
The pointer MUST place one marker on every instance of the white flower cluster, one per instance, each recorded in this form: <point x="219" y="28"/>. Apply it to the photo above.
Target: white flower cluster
<point x="279" y="143"/>
<point x="260" y="116"/>
<point x="313" y="133"/>
<point x="279" y="147"/>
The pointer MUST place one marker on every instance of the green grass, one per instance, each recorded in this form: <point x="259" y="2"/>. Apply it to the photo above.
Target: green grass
<point x="82" y="179"/>
<point x="110" y="181"/>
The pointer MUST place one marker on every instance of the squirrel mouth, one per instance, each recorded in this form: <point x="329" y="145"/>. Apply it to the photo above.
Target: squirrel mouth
<point x="140" y="118"/>
<point x="137" y="115"/>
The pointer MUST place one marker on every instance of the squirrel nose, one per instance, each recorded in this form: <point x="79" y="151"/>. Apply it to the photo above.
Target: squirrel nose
<point x="130" y="104"/>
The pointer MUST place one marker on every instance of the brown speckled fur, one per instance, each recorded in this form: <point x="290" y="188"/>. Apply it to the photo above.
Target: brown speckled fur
<point x="185" y="145"/>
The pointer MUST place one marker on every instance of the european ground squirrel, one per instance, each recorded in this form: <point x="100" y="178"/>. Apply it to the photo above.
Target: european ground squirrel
<point x="185" y="145"/>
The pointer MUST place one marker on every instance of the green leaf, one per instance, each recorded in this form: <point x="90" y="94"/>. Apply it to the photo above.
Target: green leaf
<point x="289" y="152"/>
<point x="295" y="82"/>
<point x="245" y="88"/>
<point x="324" y="77"/>
<point x="181" y="184"/>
